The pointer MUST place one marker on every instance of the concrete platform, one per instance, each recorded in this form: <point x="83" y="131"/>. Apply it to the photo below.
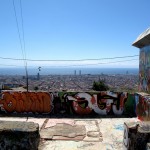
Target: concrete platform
<point x="76" y="134"/>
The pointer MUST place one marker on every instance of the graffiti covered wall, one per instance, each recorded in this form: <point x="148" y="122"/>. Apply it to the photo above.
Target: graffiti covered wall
<point x="81" y="103"/>
<point x="102" y="103"/>
<point x="26" y="102"/>
<point x="144" y="69"/>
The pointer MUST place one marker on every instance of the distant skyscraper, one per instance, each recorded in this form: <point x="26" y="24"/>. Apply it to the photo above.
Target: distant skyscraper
<point x="75" y="72"/>
<point x="1" y="86"/>
<point x="79" y="72"/>
<point x="38" y="76"/>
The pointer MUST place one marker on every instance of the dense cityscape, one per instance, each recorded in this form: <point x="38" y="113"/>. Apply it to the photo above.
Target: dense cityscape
<point x="118" y="82"/>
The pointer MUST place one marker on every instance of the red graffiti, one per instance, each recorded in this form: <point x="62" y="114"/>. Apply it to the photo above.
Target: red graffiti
<point x="77" y="105"/>
<point x="143" y="108"/>
<point x="26" y="102"/>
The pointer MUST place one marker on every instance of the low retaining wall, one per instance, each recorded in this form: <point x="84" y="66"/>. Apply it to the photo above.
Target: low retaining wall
<point x="81" y="103"/>
<point x="19" y="135"/>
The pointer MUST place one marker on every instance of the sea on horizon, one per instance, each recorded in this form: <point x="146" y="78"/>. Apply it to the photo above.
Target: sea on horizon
<point x="68" y="71"/>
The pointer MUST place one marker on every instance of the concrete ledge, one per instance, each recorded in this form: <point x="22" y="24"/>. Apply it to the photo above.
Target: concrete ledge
<point x="16" y="135"/>
<point x="136" y="135"/>
<point x="148" y="146"/>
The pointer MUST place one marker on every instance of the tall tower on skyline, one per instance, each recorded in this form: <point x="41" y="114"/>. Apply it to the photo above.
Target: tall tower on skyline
<point x="38" y="76"/>
<point x="80" y="72"/>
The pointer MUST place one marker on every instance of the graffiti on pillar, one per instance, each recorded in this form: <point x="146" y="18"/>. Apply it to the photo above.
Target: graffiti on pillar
<point x="144" y="69"/>
<point x="143" y="107"/>
<point x="20" y="102"/>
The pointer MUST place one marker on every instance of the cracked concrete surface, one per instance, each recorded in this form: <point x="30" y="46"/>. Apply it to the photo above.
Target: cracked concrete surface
<point x="79" y="134"/>
<point x="63" y="130"/>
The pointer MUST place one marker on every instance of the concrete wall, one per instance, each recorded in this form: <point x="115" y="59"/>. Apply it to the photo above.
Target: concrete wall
<point x="81" y="103"/>
<point x="102" y="103"/>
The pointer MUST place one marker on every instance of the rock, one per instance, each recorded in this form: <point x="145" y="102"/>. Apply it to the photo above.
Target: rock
<point x="93" y="134"/>
<point x="136" y="135"/>
<point x="148" y="146"/>
<point x="16" y="135"/>
<point x="63" y="130"/>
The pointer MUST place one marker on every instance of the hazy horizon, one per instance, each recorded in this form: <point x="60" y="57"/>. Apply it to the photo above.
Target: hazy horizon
<point x="69" y="71"/>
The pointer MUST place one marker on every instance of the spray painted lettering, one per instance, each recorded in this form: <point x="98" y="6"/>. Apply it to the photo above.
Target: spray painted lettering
<point x="102" y="103"/>
<point x="26" y="102"/>
<point x="82" y="103"/>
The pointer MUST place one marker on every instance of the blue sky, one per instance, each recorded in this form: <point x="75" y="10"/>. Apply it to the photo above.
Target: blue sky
<point x="73" y="29"/>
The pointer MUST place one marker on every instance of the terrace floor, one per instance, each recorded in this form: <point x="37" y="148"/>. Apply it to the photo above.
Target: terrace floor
<point x="78" y="133"/>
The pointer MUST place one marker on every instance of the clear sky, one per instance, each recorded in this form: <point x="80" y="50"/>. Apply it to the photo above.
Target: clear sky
<point x="72" y="30"/>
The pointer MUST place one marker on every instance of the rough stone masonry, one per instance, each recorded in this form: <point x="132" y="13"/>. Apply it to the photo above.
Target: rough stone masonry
<point x="16" y="135"/>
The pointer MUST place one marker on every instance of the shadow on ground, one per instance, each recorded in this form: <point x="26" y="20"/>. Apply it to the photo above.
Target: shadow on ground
<point x="75" y="116"/>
